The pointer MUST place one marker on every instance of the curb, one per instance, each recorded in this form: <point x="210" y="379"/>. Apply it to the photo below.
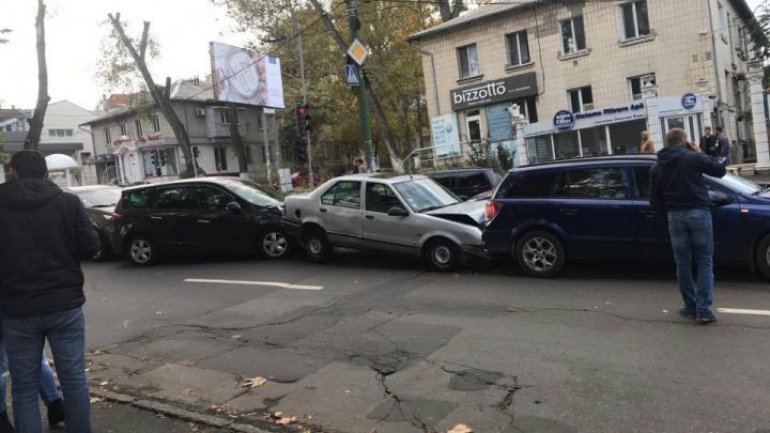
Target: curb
<point x="177" y="412"/>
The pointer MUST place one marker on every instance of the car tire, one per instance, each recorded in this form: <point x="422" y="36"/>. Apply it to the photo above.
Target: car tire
<point x="442" y="255"/>
<point x="540" y="254"/>
<point x="104" y="252"/>
<point x="274" y="244"/>
<point x="317" y="246"/>
<point x="141" y="251"/>
<point x="763" y="256"/>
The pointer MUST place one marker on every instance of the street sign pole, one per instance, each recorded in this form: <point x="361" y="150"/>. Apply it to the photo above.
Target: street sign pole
<point x="363" y="104"/>
<point x="308" y="149"/>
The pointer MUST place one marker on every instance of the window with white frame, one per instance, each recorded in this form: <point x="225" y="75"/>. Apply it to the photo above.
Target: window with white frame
<point x="469" y="61"/>
<point x="581" y="99"/>
<point x="573" y="35"/>
<point x="220" y="158"/>
<point x="636" y="22"/>
<point x="155" y="123"/>
<point x="59" y="132"/>
<point x="107" y="138"/>
<point x="635" y="86"/>
<point x="518" y="48"/>
<point x="138" y="127"/>
<point x="122" y="129"/>
<point x="224" y="116"/>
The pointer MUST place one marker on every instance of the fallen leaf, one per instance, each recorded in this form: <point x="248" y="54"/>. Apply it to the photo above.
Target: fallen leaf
<point x="286" y="420"/>
<point x="460" y="428"/>
<point x="254" y="382"/>
<point x="236" y="336"/>
<point x="105" y="383"/>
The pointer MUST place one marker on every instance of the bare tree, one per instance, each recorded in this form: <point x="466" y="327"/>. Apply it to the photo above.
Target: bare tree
<point x="450" y="9"/>
<point x="161" y="100"/>
<point x="32" y="141"/>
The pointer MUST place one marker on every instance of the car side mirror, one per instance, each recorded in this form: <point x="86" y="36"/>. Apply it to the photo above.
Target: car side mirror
<point x="234" y="207"/>
<point x="718" y="198"/>
<point x="397" y="211"/>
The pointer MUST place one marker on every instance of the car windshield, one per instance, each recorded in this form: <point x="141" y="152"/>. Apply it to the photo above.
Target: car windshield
<point x="254" y="193"/>
<point x="739" y="184"/>
<point x="100" y="198"/>
<point x="424" y="195"/>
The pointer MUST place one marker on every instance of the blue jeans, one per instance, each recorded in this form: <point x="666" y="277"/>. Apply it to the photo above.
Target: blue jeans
<point x="48" y="390"/>
<point x="24" y="340"/>
<point x="692" y="237"/>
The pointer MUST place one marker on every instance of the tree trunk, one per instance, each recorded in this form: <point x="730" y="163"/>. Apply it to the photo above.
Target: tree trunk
<point x="237" y="140"/>
<point x="450" y="11"/>
<point x="374" y="103"/>
<point x="32" y="141"/>
<point x="163" y="103"/>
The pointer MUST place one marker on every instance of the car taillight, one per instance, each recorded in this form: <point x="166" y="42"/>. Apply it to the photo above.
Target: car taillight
<point x="116" y="217"/>
<point x="492" y="208"/>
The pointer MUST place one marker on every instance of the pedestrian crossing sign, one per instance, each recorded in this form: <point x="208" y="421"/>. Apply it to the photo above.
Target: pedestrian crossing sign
<point x="351" y="75"/>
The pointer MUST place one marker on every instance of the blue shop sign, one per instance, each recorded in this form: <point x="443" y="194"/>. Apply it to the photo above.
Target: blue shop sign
<point x="564" y="120"/>
<point x="689" y="101"/>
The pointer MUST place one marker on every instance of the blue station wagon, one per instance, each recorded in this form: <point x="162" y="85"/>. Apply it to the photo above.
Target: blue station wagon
<point x="599" y="209"/>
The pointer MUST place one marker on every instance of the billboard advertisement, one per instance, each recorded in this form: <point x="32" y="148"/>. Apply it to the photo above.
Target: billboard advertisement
<point x="446" y="135"/>
<point x="245" y="77"/>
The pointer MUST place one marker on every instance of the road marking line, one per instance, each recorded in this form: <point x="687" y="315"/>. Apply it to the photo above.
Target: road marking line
<point x="255" y="283"/>
<point x="742" y="311"/>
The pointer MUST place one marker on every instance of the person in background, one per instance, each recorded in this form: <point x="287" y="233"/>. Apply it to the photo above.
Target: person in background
<point x="45" y="234"/>
<point x="708" y="141"/>
<point x="678" y="189"/>
<point x="359" y="167"/>
<point x="647" y="146"/>
<point x="722" y="148"/>
<point x="48" y="392"/>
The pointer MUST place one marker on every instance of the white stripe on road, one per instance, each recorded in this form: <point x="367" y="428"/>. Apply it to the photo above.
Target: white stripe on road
<point x="255" y="283"/>
<point x="742" y="311"/>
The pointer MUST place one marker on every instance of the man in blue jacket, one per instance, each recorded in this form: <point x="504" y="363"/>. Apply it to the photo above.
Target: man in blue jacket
<point x="677" y="188"/>
<point x="44" y="233"/>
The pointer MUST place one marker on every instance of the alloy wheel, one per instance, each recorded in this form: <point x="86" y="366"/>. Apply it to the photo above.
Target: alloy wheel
<point x="275" y="244"/>
<point x="539" y="254"/>
<point x="141" y="251"/>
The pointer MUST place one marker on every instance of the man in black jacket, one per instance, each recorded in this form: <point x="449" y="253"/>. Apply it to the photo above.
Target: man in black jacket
<point x="677" y="187"/>
<point x="44" y="233"/>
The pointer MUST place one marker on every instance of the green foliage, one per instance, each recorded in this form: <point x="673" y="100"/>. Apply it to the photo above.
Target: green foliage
<point x="504" y="158"/>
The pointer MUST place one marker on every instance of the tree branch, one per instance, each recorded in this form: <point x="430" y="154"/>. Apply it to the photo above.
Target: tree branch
<point x="143" y="44"/>
<point x="32" y="141"/>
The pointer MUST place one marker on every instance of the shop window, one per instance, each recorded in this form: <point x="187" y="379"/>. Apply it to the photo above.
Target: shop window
<point x="573" y="35"/>
<point x="469" y="61"/>
<point x="636" y="22"/>
<point x="594" y="141"/>
<point x="581" y="99"/>
<point x="566" y="145"/>
<point x="635" y="86"/>
<point x="592" y="183"/>
<point x="627" y="136"/>
<point x="540" y="149"/>
<point x="518" y="49"/>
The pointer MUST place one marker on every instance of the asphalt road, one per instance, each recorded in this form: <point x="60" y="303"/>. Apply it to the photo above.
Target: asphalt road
<point x="374" y="343"/>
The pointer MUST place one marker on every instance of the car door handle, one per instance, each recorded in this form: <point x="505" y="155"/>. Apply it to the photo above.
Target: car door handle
<point x="568" y="212"/>
<point x="156" y="218"/>
<point x="370" y="217"/>
<point x="204" y="221"/>
<point x="322" y="210"/>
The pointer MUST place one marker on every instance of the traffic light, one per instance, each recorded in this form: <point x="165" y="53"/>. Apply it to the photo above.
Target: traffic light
<point x="162" y="154"/>
<point x="154" y="157"/>
<point x="299" y="120"/>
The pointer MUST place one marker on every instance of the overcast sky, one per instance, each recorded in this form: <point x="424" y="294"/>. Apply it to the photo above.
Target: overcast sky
<point x="182" y="27"/>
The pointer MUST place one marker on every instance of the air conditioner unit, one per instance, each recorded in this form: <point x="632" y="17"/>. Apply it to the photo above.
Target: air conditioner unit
<point x="200" y="112"/>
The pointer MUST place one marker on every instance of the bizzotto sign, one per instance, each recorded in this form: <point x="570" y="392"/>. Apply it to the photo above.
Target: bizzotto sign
<point x="490" y="92"/>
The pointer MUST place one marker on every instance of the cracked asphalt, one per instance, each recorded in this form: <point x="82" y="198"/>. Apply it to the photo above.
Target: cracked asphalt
<point x="388" y="346"/>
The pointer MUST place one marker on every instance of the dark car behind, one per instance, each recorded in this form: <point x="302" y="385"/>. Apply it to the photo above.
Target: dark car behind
<point x="599" y="209"/>
<point x="224" y="215"/>
<point x="99" y="201"/>
<point x="468" y="183"/>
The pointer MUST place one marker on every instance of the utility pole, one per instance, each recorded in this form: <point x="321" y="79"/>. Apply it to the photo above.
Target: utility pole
<point x="363" y="104"/>
<point x="298" y="33"/>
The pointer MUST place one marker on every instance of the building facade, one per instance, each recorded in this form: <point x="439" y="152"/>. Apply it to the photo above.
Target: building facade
<point x="138" y="145"/>
<point x="588" y="77"/>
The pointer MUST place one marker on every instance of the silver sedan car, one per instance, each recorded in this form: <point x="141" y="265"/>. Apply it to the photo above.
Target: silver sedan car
<point x="406" y="214"/>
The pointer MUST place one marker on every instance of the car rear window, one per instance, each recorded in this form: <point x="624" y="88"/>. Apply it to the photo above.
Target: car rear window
<point x="527" y="184"/>
<point x="445" y="179"/>
<point x="139" y="199"/>
<point x="472" y="180"/>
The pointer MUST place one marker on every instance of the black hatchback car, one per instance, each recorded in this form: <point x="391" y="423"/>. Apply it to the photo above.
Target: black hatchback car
<point x="198" y="216"/>
<point x="467" y="183"/>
